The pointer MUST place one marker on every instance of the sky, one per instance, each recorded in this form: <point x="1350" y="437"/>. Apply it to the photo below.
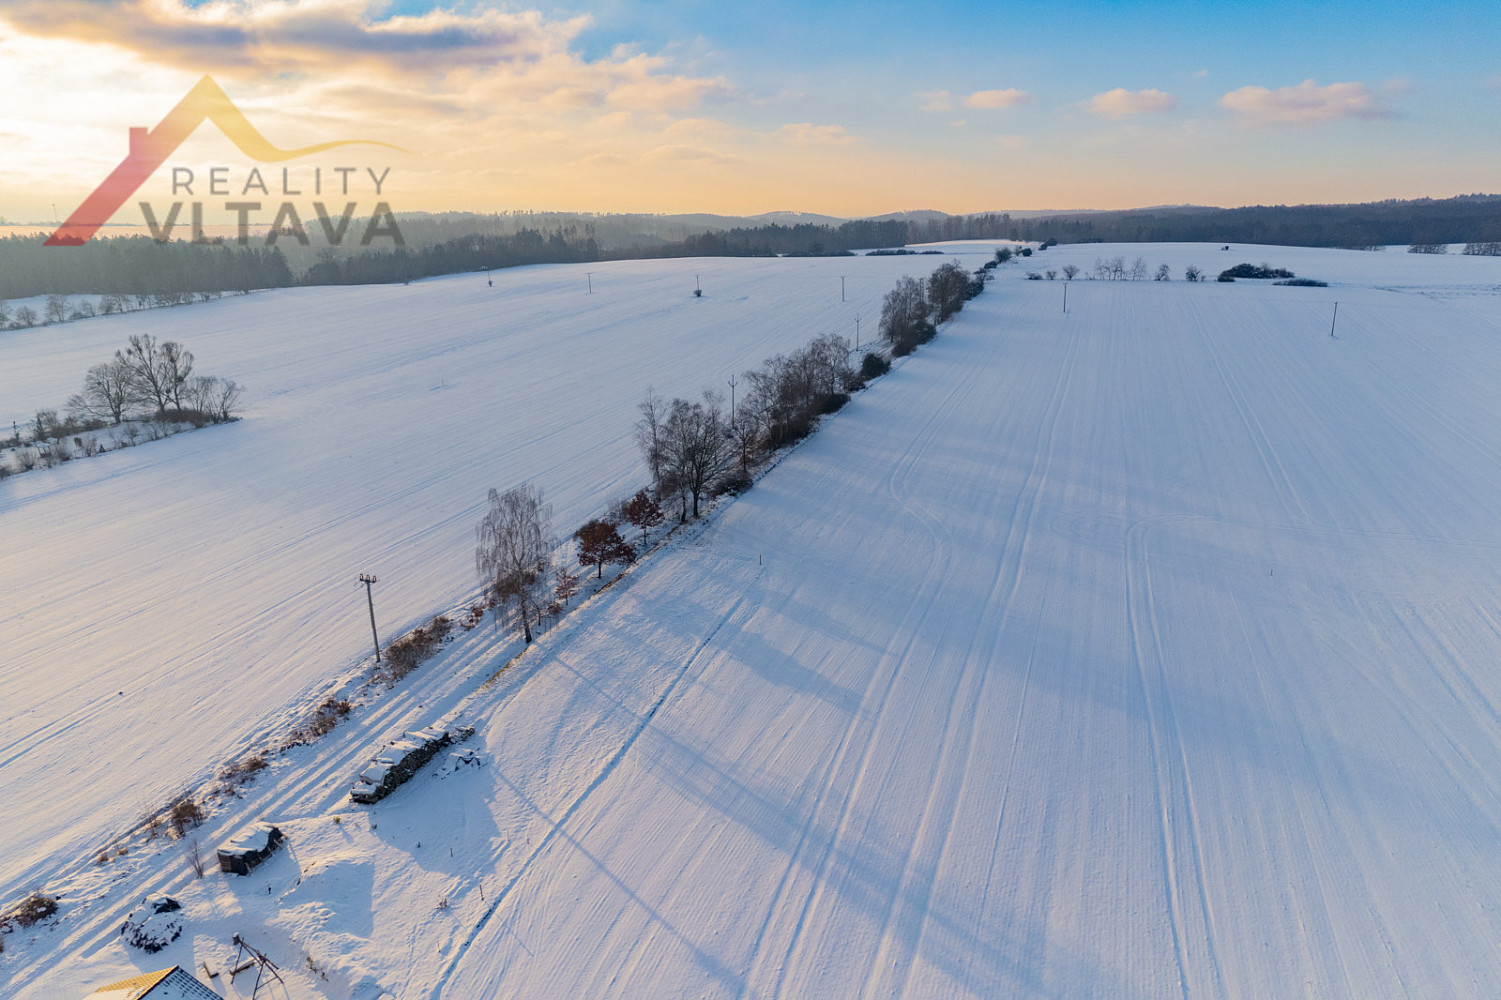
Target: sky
<point x="841" y="108"/>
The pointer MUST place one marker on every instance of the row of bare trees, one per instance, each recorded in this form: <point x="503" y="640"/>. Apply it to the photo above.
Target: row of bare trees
<point x="514" y="554"/>
<point x="158" y="376"/>
<point x="913" y="309"/>
<point x="694" y="449"/>
<point x="58" y="308"/>
<point x="149" y="387"/>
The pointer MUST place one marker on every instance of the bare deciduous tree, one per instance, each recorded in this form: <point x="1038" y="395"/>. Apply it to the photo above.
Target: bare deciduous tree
<point x="143" y="359"/>
<point x="904" y="316"/>
<point x="649" y="436"/>
<point x="108" y="391"/>
<point x="946" y="290"/>
<point x="695" y="448"/>
<point x="176" y="369"/>
<point x="1069" y="270"/>
<point x="513" y="552"/>
<point x="219" y="398"/>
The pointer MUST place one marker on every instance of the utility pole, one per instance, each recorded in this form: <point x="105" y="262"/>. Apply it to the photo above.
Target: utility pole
<point x="731" y="381"/>
<point x="857" y="333"/>
<point x="367" y="579"/>
<point x="841" y="288"/>
<point x="1334" y="320"/>
<point x="1065" y="296"/>
<point x="589" y="277"/>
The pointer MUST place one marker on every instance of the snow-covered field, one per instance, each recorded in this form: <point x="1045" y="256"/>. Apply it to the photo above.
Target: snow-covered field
<point x="162" y="605"/>
<point x="1139" y="651"/>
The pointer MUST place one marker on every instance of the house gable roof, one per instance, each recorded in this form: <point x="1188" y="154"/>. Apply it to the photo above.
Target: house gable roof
<point x="164" y="984"/>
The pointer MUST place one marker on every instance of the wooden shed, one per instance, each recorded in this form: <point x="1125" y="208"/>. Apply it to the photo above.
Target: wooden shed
<point x="249" y="848"/>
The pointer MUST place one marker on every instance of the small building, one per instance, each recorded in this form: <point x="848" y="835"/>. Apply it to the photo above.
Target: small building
<point x="399" y="760"/>
<point x="249" y="848"/>
<point x="166" y="984"/>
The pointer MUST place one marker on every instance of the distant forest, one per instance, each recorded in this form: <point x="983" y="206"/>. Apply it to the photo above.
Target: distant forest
<point x="139" y="265"/>
<point x="1466" y="219"/>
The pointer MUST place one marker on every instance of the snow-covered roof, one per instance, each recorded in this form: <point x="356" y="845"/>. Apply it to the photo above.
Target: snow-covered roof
<point x="164" y="984"/>
<point x="252" y="839"/>
<point x="376" y="771"/>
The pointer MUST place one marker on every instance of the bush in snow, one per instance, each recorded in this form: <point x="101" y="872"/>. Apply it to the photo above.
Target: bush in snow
<point x="154" y="924"/>
<point x="600" y="544"/>
<point x="33" y="909"/>
<point x="1253" y="271"/>
<point x="321" y="722"/>
<point x="184" y="814"/>
<point x="644" y="513"/>
<point x="734" y="482"/>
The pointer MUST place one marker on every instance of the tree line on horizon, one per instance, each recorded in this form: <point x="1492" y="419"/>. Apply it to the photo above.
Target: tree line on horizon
<point x="177" y="270"/>
<point x="1470" y="219"/>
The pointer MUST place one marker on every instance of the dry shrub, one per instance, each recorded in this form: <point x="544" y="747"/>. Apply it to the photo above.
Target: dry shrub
<point x="185" y="814"/>
<point x="34" y="908"/>
<point x="407" y="653"/>
<point x="244" y="769"/>
<point x="322" y="722"/>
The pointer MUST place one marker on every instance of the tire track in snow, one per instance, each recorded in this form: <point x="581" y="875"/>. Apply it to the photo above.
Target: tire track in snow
<point x="1162" y="731"/>
<point x="556" y="827"/>
<point x="1291" y="499"/>
<point x="938" y="538"/>
<point x="895" y="953"/>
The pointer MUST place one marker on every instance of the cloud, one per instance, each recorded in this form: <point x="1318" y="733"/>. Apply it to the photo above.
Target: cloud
<point x="690" y="156"/>
<point x="808" y="134"/>
<point x="1120" y="102"/>
<point x="291" y="34"/>
<point x="1200" y="74"/>
<point x="518" y="55"/>
<point x="1306" y="104"/>
<point x="1010" y="98"/>
<point x="936" y="100"/>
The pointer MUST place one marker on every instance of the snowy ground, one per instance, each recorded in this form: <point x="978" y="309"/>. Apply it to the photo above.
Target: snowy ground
<point x="1137" y="651"/>
<point x="162" y="607"/>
